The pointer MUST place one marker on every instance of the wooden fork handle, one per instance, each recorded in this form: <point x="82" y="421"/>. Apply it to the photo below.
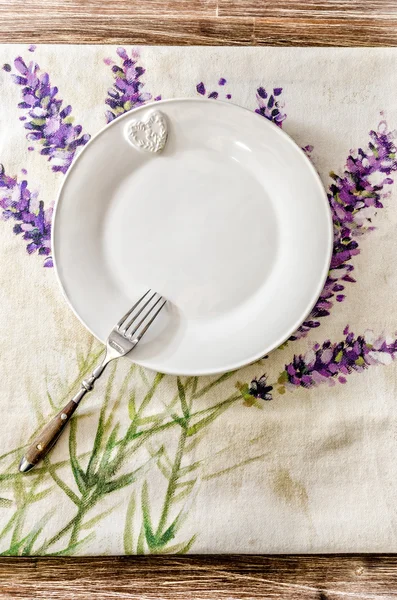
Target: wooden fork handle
<point x="51" y="432"/>
<point x="47" y="438"/>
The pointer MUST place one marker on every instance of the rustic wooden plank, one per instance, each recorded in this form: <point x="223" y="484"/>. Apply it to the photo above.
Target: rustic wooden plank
<point x="194" y="22"/>
<point x="45" y="27"/>
<point x="309" y="9"/>
<point x="325" y="32"/>
<point x="197" y="31"/>
<point x="200" y="578"/>
<point x="97" y="8"/>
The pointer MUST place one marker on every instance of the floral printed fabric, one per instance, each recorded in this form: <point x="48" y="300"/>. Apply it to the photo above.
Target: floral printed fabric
<point x="292" y="454"/>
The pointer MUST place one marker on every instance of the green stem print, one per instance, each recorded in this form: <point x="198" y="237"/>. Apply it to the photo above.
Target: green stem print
<point x="180" y="473"/>
<point x="116" y="465"/>
<point x="158" y="539"/>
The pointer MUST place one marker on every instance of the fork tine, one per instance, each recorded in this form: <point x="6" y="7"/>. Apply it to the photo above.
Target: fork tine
<point x="119" y="324"/>
<point x="151" y="321"/>
<point x="134" y="317"/>
<point x="148" y="313"/>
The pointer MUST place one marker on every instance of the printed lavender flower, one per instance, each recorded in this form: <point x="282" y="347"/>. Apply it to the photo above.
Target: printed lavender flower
<point x="215" y="94"/>
<point x="271" y="106"/>
<point x="259" y="388"/>
<point x="308" y="150"/>
<point x="33" y="221"/>
<point x="126" y="92"/>
<point x="354" y="197"/>
<point x="329" y="362"/>
<point x="257" y="391"/>
<point x="49" y="123"/>
<point x="326" y="363"/>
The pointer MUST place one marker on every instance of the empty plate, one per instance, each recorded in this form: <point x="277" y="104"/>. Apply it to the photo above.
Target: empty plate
<point x="211" y="205"/>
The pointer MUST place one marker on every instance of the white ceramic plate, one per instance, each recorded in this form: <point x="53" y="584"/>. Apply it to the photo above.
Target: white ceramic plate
<point x="230" y="222"/>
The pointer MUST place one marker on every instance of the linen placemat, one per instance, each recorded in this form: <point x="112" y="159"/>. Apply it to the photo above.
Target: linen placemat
<point x="293" y="454"/>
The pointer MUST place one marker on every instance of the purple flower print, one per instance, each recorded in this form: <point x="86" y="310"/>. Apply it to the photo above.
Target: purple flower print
<point x="271" y="106"/>
<point x="326" y="363"/>
<point x="32" y="220"/>
<point x="214" y="95"/>
<point x="354" y="197"/>
<point x="308" y="150"/>
<point x="260" y="389"/>
<point x="256" y="392"/>
<point x="329" y="362"/>
<point x="126" y="92"/>
<point x="49" y="124"/>
<point x="200" y="87"/>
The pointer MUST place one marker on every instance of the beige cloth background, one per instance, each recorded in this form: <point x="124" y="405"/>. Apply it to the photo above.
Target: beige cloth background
<point x="311" y="471"/>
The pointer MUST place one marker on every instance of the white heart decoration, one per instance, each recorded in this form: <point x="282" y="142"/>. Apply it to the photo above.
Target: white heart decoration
<point x="149" y="135"/>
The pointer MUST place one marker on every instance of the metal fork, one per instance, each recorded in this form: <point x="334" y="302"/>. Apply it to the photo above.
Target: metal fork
<point x="122" y="339"/>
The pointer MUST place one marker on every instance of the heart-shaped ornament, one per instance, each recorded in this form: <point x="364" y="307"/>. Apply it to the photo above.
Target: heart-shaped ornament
<point x="149" y="135"/>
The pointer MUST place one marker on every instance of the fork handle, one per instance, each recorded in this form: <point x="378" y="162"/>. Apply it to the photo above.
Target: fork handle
<point x="47" y="438"/>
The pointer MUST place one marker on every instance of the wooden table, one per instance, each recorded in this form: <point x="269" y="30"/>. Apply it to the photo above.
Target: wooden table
<point x="209" y="22"/>
<point x="343" y="577"/>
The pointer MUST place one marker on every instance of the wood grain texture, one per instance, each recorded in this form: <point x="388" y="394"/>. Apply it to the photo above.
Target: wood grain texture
<point x="325" y="32"/>
<point x="309" y="9"/>
<point x="200" y="578"/>
<point x="201" y="22"/>
<point x="98" y="8"/>
<point x="46" y="439"/>
<point x="108" y="29"/>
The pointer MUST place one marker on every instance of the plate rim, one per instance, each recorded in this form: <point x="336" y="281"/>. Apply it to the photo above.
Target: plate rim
<point x="327" y="211"/>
